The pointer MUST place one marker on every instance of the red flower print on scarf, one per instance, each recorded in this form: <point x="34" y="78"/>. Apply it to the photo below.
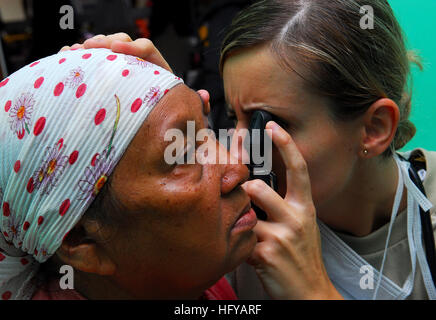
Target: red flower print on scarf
<point x="153" y="95"/>
<point x="75" y="78"/>
<point x="12" y="227"/>
<point x="101" y="167"/>
<point x="42" y="250"/>
<point x="137" y="61"/>
<point x="47" y="176"/>
<point x="96" y="176"/>
<point x="21" y="114"/>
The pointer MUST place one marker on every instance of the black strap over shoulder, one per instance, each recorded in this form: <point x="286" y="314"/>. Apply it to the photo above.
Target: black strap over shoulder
<point x="418" y="163"/>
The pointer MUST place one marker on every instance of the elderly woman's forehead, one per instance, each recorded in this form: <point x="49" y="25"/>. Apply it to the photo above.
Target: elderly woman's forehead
<point x="180" y="99"/>
<point x="179" y="104"/>
<point x="183" y="92"/>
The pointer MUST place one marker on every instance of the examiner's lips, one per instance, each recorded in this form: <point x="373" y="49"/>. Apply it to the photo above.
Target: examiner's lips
<point x="247" y="219"/>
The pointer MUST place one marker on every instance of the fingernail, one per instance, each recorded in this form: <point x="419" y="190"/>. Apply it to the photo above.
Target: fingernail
<point x="273" y="126"/>
<point x="75" y="46"/>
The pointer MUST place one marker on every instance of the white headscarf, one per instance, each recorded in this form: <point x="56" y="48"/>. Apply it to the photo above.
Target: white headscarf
<point x="65" y="121"/>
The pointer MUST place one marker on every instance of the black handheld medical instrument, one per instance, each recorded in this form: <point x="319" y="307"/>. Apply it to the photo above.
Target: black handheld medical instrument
<point x="261" y="171"/>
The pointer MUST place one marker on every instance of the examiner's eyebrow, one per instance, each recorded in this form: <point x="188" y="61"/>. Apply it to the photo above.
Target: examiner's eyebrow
<point x="231" y="112"/>
<point x="263" y="106"/>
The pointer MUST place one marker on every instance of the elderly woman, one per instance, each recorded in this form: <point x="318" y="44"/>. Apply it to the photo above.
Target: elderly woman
<point x="84" y="183"/>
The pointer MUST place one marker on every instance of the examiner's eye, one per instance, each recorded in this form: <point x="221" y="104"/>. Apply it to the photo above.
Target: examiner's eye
<point x="282" y="123"/>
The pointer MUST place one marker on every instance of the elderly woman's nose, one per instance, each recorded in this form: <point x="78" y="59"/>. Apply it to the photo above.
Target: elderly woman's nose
<point x="233" y="176"/>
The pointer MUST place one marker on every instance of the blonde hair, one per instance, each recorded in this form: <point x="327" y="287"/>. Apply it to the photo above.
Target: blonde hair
<point x="323" y="42"/>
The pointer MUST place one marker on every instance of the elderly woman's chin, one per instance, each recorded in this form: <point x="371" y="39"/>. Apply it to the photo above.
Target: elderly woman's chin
<point x="243" y="250"/>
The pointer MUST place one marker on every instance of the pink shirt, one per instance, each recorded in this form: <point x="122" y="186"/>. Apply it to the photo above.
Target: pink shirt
<point x="219" y="291"/>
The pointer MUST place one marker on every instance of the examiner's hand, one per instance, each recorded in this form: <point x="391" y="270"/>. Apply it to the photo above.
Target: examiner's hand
<point x="287" y="257"/>
<point x="122" y="43"/>
<point x="142" y="48"/>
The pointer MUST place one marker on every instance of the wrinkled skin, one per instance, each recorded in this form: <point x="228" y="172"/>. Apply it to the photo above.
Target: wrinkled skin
<point x="180" y="235"/>
<point x="184" y="238"/>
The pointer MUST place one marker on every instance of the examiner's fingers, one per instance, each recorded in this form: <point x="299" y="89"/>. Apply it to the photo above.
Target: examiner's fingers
<point x="102" y="41"/>
<point x="265" y="255"/>
<point x="297" y="176"/>
<point x="142" y="48"/>
<point x="76" y="46"/>
<point x="120" y="36"/>
<point x="122" y="43"/>
<point x="269" y="201"/>
<point x="262" y="230"/>
<point x="64" y="48"/>
<point x="73" y="47"/>
<point x="98" y="41"/>
<point x="204" y="94"/>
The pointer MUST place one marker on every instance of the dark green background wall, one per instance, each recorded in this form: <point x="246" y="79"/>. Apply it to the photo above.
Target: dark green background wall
<point x="417" y="18"/>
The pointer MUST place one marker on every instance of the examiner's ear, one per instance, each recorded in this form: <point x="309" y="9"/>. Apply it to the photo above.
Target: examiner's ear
<point x="380" y="124"/>
<point x="83" y="253"/>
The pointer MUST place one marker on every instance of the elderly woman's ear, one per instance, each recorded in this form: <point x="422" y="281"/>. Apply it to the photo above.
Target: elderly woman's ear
<point x="84" y="250"/>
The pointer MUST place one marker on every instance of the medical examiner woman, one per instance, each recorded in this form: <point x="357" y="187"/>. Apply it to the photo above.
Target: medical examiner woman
<point x="350" y="218"/>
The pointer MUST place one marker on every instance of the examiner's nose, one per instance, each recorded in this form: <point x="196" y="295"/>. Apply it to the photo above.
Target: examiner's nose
<point x="240" y="141"/>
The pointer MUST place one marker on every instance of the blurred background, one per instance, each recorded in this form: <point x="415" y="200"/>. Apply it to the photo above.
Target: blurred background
<point x="189" y="34"/>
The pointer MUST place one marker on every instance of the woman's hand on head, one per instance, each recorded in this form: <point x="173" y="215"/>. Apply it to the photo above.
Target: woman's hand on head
<point x="287" y="257"/>
<point x="142" y="48"/>
<point x="122" y="43"/>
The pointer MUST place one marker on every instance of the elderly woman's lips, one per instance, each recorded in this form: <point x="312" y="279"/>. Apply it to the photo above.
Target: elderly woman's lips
<point x="247" y="220"/>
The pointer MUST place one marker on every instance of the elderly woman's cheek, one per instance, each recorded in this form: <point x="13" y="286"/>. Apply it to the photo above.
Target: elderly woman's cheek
<point x="182" y="194"/>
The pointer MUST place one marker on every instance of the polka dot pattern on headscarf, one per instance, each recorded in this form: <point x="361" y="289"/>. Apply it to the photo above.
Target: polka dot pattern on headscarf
<point x="66" y="120"/>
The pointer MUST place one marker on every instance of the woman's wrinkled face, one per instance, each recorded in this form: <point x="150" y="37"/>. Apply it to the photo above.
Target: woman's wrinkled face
<point x="254" y="80"/>
<point x="183" y="236"/>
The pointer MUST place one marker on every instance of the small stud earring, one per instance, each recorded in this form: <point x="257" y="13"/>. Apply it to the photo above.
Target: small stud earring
<point x="365" y="152"/>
